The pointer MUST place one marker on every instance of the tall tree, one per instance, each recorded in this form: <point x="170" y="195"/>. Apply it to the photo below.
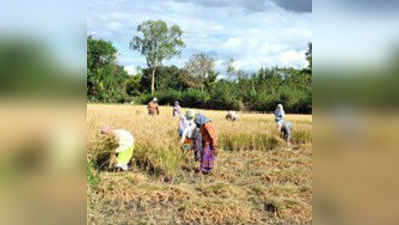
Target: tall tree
<point x="157" y="42"/>
<point x="309" y="56"/>
<point x="105" y="78"/>
<point x="200" y="66"/>
<point x="100" y="57"/>
<point x="233" y="72"/>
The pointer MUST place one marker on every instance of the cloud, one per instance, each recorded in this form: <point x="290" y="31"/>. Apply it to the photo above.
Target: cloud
<point x="257" y="5"/>
<point x="300" y="6"/>
<point x="294" y="58"/>
<point x="248" y="5"/>
<point x="114" y="26"/>
<point x="130" y="69"/>
<point x="253" y="39"/>
<point x="232" y="43"/>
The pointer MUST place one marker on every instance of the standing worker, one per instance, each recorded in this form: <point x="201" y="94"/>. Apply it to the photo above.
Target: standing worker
<point x="125" y="149"/>
<point x="209" y="142"/>
<point x="176" y="109"/>
<point x="279" y="116"/>
<point x="153" y="108"/>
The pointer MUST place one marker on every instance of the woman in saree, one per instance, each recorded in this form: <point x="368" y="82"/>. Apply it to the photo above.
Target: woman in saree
<point x="209" y="143"/>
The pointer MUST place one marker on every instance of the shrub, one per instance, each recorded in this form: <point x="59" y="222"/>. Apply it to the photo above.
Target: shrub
<point x="194" y="98"/>
<point x="168" y="97"/>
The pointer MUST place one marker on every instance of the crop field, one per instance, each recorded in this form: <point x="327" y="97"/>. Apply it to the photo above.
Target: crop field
<point x="257" y="178"/>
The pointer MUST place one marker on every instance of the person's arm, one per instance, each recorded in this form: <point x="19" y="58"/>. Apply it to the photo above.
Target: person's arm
<point x="157" y="109"/>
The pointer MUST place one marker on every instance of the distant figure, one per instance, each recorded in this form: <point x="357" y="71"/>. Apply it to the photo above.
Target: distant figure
<point x="153" y="108"/>
<point x="285" y="131"/>
<point x="124" y="152"/>
<point x="233" y="116"/>
<point x="279" y="115"/>
<point x="176" y="109"/>
<point x="209" y="142"/>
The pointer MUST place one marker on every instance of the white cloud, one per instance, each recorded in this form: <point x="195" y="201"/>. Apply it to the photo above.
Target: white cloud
<point x="232" y="43"/>
<point x="130" y="69"/>
<point x="294" y="58"/>
<point x="257" y="39"/>
<point x="114" y="26"/>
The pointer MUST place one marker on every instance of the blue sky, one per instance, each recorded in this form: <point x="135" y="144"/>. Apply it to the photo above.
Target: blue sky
<point x="255" y="33"/>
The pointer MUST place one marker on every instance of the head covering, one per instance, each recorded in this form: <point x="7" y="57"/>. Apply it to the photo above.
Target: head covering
<point x="176" y="103"/>
<point x="106" y="130"/>
<point x="280" y="106"/>
<point x="189" y="114"/>
<point x="201" y="119"/>
<point x="154" y="99"/>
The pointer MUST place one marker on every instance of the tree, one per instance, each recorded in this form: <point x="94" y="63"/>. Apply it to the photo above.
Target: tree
<point x="105" y="78"/>
<point x="309" y="57"/>
<point x="232" y="71"/>
<point x="210" y="81"/>
<point x="200" y="66"/>
<point x="167" y="77"/>
<point x="133" y="85"/>
<point x="157" y="42"/>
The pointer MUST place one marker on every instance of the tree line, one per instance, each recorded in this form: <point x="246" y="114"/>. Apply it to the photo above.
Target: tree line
<point x="197" y="84"/>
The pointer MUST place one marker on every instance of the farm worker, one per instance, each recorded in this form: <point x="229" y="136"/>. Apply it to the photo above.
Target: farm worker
<point x="153" y="107"/>
<point x="125" y="149"/>
<point x="176" y="109"/>
<point x="279" y="115"/>
<point x="209" y="142"/>
<point x="285" y="131"/>
<point x="186" y="126"/>
<point x="232" y="115"/>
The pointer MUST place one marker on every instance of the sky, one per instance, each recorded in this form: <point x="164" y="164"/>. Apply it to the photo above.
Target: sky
<point x="256" y="33"/>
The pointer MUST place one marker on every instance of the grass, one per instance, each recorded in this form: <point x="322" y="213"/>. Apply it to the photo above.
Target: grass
<point x="256" y="180"/>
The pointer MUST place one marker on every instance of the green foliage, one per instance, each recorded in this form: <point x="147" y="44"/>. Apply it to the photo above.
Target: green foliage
<point x="106" y="80"/>
<point x="157" y="42"/>
<point x="194" y="98"/>
<point x="197" y="84"/>
<point x="166" y="77"/>
<point x="93" y="178"/>
<point x="133" y="85"/>
<point x="309" y="57"/>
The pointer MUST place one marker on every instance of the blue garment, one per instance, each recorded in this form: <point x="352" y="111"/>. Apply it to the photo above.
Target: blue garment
<point x="200" y="120"/>
<point x="279" y="114"/>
